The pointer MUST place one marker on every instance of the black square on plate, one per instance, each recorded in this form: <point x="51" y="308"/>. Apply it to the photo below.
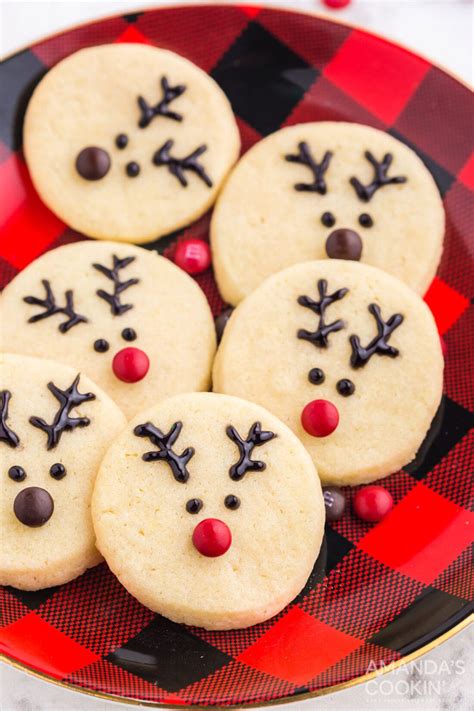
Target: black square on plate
<point x="33" y="599"/>
<point x="18" y="77"/>
<point x="166" y="654"/>
<point x="263" y="78"/>
<point x="449" y="426"/>
<point x="441" y="176"/>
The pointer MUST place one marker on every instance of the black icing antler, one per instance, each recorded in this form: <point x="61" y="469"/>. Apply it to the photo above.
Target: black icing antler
<point x="320" y="337"/>
<point x="318" y="169"/>
<point x="255" y="438"/>
<point x="116" y="307"/>
<point x="164" y="442"/>
<point x="51" y="308"/>
<point x="178" y="166"/>
<point x="360" y="355"/>
<point x="366" y="192"/>
<point x="170" y="93"/>
<point x="6" y="434"/>
<point x="68" y="399"/>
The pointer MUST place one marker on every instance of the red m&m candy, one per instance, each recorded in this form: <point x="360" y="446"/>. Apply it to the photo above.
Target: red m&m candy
<point x="130" y="365"/>
<point x="320" y="418"/>
<point x="212" y="537"/>
<point x="193" y="256"/>
<point x="372" y="503"/>
<point x="336" y="4"/>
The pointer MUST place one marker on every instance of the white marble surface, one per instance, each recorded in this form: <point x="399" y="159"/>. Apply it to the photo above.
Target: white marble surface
<point x="442" y="31"/>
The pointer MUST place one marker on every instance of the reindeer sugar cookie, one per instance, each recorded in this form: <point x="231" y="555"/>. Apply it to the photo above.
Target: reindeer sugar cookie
<point x="326" y="190"/>
<point x="55" y="426"/>
<point x="128" y="142"/>
<point x="209" y="511"/>
<point x="128" y="318"/>
<point x="347" y="356"/>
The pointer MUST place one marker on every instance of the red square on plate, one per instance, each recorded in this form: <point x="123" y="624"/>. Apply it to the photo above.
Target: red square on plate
<point x="298" y="647"/>
<point x="446" y="303"/>
<point x="378" y="75"/>
<point x="421" y="536"/>
<point x="37" y="644"/>
<point x="466" y="175"/>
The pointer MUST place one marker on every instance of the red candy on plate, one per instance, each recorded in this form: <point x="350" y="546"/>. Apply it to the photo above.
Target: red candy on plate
<point x="320" y="418"/>
<point x="372" y="503"/>
<point x="193" y="256"/>
<point x="212" y="537"/>
<point x="130" y="365"/>
<point x="336" y="4"/>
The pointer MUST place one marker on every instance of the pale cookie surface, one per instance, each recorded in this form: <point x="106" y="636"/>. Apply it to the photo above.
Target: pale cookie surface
<point x="146" y="533"/>
<point x="49" y="463"/>
<point x="275" y="211"/>
<point x="132" y="298"/>
<point x="285" y="329"/>
<point x="91" y="98"/>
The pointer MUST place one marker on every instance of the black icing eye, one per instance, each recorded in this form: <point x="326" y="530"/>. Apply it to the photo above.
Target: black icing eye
<point x="17" y="473"/>
<point x="101" y="345"/>
<point x="232" y="502"/>
<point x="132" y="169"/>
<point x="365" y="220"/>
<point x="345" y="387"/>
<point x="129" y="334"/>
<point x="316" y="376"/>
<point x="328" y="219"/>
<point x="58" y="471"/>
<point x="121" y="141"/>
<point x="193" y="506"/>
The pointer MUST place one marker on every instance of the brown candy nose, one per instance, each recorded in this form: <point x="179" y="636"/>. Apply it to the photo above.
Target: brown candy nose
<point x="33" y="506"/>
<point x="344" y="244"/>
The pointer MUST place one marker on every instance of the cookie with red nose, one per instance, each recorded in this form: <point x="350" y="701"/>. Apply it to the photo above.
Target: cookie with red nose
<point x="127" y="317"/>
<point x="55" y="426"/>
<point x="346" y="355"/>
<point x="326" y="190"/>
<point x="209" y="511"/>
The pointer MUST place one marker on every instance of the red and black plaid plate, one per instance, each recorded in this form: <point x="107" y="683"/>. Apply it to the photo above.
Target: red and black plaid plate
<point x="377" y="593"/>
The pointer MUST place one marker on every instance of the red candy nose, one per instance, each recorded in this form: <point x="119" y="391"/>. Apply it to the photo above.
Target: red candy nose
<point x="320" y="418"/>
<point x="212" y="537"/>
<point x="130" y="365"/>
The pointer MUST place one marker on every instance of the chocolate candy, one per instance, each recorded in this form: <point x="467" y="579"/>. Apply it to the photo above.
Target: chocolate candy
<point x="130" y="365"/>
<point x="58" y="471"/>
<point x="101" y="345"/>
<point x="221" y="322"/>
<point x="372" y="503"/>
<point x="316" y="376"/>
<point x="344" y="244"/>
<point x="193" y="506"/>
<point x="345" y="387"/>
<point x="212" y="537"/>
<point x="93" y="163"/>
<point x="320" y="418"/>
<point x="232" y="502"/>
<point x="132" y="169"/>
<point x="334" y="502"/>
<point x="33" y="506"/>
<point x="17" y="473"/>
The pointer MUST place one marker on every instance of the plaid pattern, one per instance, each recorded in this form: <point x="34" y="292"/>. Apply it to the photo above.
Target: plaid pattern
<point x="377" y="592"/>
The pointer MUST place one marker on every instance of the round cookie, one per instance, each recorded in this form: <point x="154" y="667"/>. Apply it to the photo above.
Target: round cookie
<point x="355" y="339"/>
<point x="327" y="189"/>
<point x="110" y="309"/>
<point x="128" y="142"/>
<point x="209" y="511"/>
<point x="55" y="426"/>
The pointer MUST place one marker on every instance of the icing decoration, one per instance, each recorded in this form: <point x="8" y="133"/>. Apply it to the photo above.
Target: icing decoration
<point x="212" y="537"/>
<point x="6" y="434"/>
<point x="178" y="166"/>
<point x="101" y="345"/>
<point x="17" y="473"/>
<point x="121" y="141"/>
<point x="193" y="506"/>
<point x="378" y="345"/>
<point x="58" y="471"/>
<point x="116" y="307"/>
<point x="93" y="163"/>
<point x="304" y="157"/>
<point x="366" y="192"/>
<point x="51" y="308"/>
<point x="320" y="418"/>
<point x="232" y="502"/>
<point x="130" y="364"/>
<point x="132" y="169"/>
<point x="33" y="506"/>
<point x="345" y="387"/>
<point x="320" y="337"/>
<point x="344" y="244"/>
<point x="316" y="376"/>
<point x="68" y="399"/>
<point x="365" y="220"/>
<point x="164" y="442"/>
<point x="328" y="219"/>
<point x="170" y="93"/>
<point x="129" y="334"/>
<point x="255" y="438"/>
